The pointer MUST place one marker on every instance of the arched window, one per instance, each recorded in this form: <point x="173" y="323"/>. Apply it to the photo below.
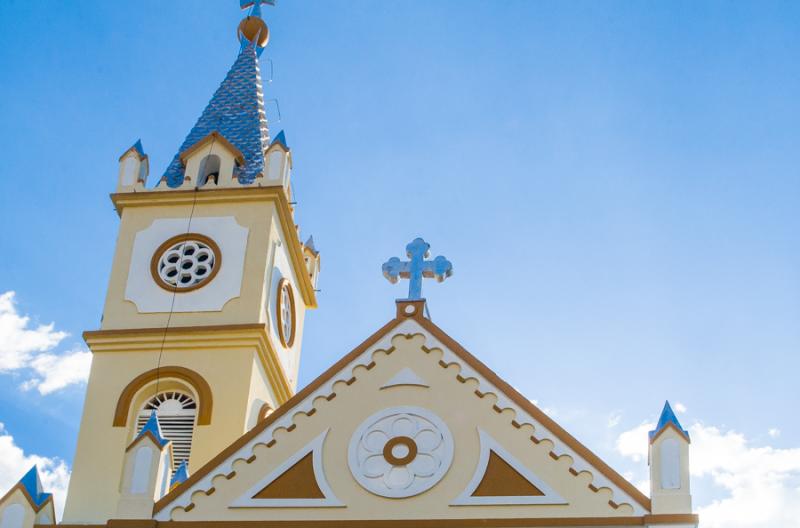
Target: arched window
<point x="209" y="170"/>
<point x="176" y="413"/>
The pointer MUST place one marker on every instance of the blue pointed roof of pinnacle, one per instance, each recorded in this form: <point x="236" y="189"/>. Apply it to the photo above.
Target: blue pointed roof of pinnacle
<point x="236" y="111"/>
<point x="280" y="138"/>
<point x="668" y="417"/>
<point x="152" y="426"/>
<point x="33" y="486"/>
<point x="138" y="147"/>
<point x="180" y="476"/>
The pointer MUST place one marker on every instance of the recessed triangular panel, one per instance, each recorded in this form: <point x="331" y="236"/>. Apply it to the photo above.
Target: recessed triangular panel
<point x="501" y="479"/>
<point x="405" y="377"/>
<point x="298" y="482"/>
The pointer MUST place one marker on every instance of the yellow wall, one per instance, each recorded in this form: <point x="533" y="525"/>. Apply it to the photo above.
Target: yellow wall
<point x="243" y="366"/>
<point x="94" y="485"/>
<point x="257" y="217"/>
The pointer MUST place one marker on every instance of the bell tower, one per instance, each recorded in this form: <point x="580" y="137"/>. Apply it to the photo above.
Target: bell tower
<point x="203" y="319"/>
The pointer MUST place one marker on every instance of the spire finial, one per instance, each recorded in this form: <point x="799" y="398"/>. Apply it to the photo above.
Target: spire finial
<point x="253" y="29"/>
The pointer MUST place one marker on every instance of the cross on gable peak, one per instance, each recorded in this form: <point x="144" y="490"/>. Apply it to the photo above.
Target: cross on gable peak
<point x="417" y="268"/>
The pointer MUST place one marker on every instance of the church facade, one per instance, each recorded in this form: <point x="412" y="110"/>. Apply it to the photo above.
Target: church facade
<point x="192" y="415"/>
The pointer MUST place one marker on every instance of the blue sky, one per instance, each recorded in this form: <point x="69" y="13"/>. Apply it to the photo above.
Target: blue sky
<point x="616" y="183"/>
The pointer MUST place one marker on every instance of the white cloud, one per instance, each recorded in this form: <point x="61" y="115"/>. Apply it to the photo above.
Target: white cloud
<point x="756" y="487"/>
<point x="56" y="372"/>
<point x="613" y="419"/>
<point x="18" y="342"/>
<point x="774" y="432"/>
<point x="14" y="463"/>
<point x="23" y="347"/>
<point x="633" y="443"/>
<point x="680" y="408"/>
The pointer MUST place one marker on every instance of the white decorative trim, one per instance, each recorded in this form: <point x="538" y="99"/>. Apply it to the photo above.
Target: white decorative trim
<point x="405" y="377"/>
<point x="246" y="500"/>
<point x="407" y="326"/>
<point x="489" y="444"/>
<point x="149" y="297"/>
<point x="427" y="434"/>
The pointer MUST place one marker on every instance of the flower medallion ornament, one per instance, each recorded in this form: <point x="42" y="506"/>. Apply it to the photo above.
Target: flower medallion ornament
<point x="400" y="452"/>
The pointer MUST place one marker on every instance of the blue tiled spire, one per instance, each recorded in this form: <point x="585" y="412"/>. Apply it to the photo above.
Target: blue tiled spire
<point x="236" y="111"/>
<point x="668" y="417"/>
<point x="152" y="426"/>
<point x="180" y="475"/>
<point x="33" y="486"/>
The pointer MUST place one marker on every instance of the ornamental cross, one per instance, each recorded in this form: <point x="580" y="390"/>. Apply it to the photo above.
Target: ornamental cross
<point x="417" y="267"/>
<point x="244" y="4"/>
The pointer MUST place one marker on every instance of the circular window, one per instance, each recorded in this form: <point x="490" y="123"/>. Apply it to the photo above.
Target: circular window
<point x="185" y="262"/>
<point x="285" y="311"/>
<point x="400" y="452"/>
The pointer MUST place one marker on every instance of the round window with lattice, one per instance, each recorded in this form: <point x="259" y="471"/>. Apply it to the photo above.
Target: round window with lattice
<point x="286" y="313"/>
<point x="185" y="262"/>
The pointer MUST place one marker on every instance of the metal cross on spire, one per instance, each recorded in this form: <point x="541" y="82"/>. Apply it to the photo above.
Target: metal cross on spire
<point x="244" y="4"/>
<point x="417" y="267"/>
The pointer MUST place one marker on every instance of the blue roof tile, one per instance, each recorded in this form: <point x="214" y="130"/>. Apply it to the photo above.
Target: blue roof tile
<point x="138" y="148"/>
<point x="33" y="486"/>
<point x="180" y="476"/>
<point x="152" y="426"/>
<point x="236" y="111"/>
<point x="667" y="417"/>
<point x="280" y="138"/>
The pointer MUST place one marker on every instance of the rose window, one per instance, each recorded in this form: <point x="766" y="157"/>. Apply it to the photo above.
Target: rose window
<point x="401" y="452"/>
<point x="285" y="310"/>
<point x="186" y="262"/>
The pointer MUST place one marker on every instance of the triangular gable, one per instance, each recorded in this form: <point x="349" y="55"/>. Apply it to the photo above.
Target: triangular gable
<point x="587" y="470"/>
<point x="217" y="139"/>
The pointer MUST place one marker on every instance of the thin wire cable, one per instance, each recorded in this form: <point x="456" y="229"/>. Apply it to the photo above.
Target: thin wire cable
<point x="180" y="264"/>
